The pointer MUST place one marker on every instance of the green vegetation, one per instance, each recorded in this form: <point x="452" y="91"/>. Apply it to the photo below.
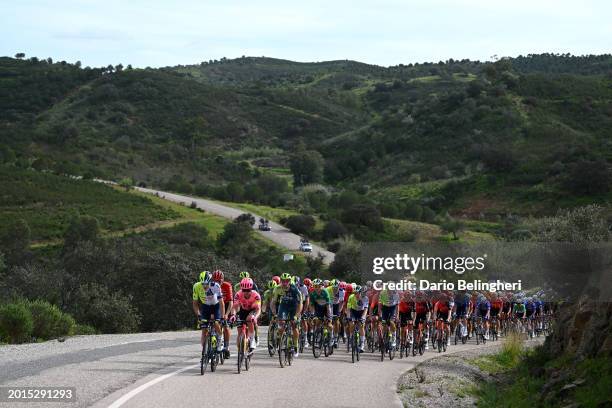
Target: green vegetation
<point x="39" y="320"/>
<point x="46" y="202"/>
<point x="535" y="379"/>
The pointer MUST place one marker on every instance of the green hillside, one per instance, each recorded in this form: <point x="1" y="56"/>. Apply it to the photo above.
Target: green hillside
<point x="522" y="135"/>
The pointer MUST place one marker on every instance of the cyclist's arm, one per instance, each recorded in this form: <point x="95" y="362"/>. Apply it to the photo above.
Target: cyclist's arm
<point x="196" y="307"/>
<point x="222" y="306"/>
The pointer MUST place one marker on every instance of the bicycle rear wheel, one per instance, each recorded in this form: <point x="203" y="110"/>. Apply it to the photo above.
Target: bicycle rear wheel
<point x="203" y="360"/>
<point x="317" y="343"/>
<point x="281" y="352"/>
<point x="240" y="351"/>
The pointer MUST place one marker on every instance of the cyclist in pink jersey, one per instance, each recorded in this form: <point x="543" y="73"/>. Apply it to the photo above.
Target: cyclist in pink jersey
<point x="247" y="303"/>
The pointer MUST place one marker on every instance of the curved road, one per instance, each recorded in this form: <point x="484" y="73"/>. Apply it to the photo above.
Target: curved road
<point x="279" y="234"/>
<point x="162" y="370"/>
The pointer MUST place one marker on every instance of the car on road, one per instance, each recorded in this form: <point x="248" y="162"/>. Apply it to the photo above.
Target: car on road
<point x="264" y="225"/>
<point x="305" y="246"/>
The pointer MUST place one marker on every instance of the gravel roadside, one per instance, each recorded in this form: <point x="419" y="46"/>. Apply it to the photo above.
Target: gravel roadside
<point x="445" y="381"/>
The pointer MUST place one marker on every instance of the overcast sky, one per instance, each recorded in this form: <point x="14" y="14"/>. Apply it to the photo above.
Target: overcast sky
<point x="384" y="32"/>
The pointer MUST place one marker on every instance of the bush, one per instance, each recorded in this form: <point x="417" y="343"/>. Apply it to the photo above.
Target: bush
<point x="300" y="224"/>
<point x="84" y="329"/>
<point x="333" y="229"/>
<point x="93" y="304"/>
<point x="16" y="323"/>
<point x="46" y="319"/>
<point x="66" y="325"/>
<point x="363" y="214"/>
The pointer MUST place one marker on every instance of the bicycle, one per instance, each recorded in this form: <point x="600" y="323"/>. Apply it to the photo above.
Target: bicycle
<point x="285" y="344"/>
<point x="209" y="349"/>
<point x="461" y="331"/>
<point x="418" y="344"/>
<point x="355" y="339"/>
<point x="406" y="338"/>
<point x="441" y="335"/>
<point x="480" y="332"/>
<point x="272" y="337"/>
<point x="493" y="328"/>
<point x="244" y="355"/>
<point x="386" y="340"/>
<point x="321" y="339"/>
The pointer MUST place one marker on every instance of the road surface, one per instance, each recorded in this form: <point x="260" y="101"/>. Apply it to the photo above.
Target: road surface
<point x="162" y="370"/>
<point x="279" y="234"/>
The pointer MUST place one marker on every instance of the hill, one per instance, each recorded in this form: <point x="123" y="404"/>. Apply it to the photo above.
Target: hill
<point x="526" y="134"/>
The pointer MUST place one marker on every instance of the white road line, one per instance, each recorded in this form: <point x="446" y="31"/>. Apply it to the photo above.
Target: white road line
<point x="144" y="386"/>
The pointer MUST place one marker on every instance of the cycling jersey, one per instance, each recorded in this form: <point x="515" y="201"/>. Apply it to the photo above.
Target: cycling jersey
<point x="406" y="306"/>
<point x="389" y="297"/>
<point x="483" y="306"/>
<point x="289" y="297"/>
<point x="267" y="296"/>
<point x="208" y="296"/>
<point x="226" y="290"/>
<point x="357" y="304"/>
<point x="253" y="302"/>
<point x="519" y="308"/>
<point x="497" y="304"/>
<point x="320" y="297"/>
<point x="304" y="292"/>
<point x="443" y="307"/>
<point x="336" y="296"/>
<point x="347" y="292"/>
<point x="421" y="307"/>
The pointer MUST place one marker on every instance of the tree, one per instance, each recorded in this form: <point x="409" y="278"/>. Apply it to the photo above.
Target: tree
<point x="300" y="224"/>
<point x="307" y="167"/>
<point x="363" y="214"/>
<point x="15" y="241"/>
<point x="82" y="228"/>
<point x="235" y="191"/>
<point x="589" y="177"/>
<point x="78" y="64"/>
<point x="20" y="55"/>
<point x="333" y="229"/>
<point x="452" y="226"/>
<point x="126" y="183"/>
<point x="246" y="218"/>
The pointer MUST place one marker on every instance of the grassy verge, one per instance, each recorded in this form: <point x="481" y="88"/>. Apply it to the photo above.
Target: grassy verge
<point x="535" y="379"/>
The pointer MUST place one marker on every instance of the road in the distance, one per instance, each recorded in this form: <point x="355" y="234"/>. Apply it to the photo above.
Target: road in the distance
<point x="279" y="234"/>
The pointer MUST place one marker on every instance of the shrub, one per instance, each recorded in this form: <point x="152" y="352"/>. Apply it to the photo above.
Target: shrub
<point x="46" y="319"/>
<point x="84" y="329"/>
<point x="16" y="323"/>
<point x="363" y="214"/>
<point x="93" y="304"/>
<point x="66" y="325"/>
<point x="333" y="229"/>
<point x="301" y="224"/>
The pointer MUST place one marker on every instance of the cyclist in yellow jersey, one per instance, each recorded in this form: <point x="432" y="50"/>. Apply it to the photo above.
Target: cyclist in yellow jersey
<point x="207" y="304"/>
<point x="357" y="310"/>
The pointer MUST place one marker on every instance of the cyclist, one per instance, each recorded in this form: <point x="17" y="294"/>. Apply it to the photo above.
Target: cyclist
<point x="497" y="304"/>
<point x="336" y="293"/>
<point x="287" y="303"/>
<point x="483" y="310"/>
<point x="267" y="297"/>
<point x="321" y="305"/>
<point x="228" y="297"/>
<point x="406" y="308"/>
<point x="442" y="310"/>
<point x="356" y="310"/>
<point x="241" y="276"/>
<point x="387" y="312"/>
<point x="462" y="311"/>
<point x="422" y="312"/>
<point x="207" y="304"/>
<point x="303" y="286"/>
<point x="247" y="303"/>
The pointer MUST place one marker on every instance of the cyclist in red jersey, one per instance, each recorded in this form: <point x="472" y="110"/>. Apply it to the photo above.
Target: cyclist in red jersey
<point x="406" y="308"/>
<point x="228" y="300"/>
<point x="442" y="310"/>
<point x="422" y="313"/>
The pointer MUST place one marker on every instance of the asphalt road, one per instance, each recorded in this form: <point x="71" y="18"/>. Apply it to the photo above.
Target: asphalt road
<point x="279" y="234"/>
<point x="162" y="370"/>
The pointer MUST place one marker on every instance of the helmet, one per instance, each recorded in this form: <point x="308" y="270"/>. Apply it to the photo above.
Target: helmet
<point x="276" y="279"/>
<point x="420" y="294"/>
<point x="205" y="277"/>
<point x="326" y="283"/>
<point x="307" y="282"/>
<point x="358" y="289"/>
<point x="244" y="274"/>
<point x="369" y="284"/>
<point x="317" y="282"/>
<point x="246" y="284"/>
<point x="354" y="286"/>
<point x="272" y="284"/>
<point x="285" y="276"/>
<point x="217" y="276"/>
<point x="296" y="280"/>
<point x="334" y="283"/>
<point x="363" y="290"/>
<point x="342" y="285"/>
